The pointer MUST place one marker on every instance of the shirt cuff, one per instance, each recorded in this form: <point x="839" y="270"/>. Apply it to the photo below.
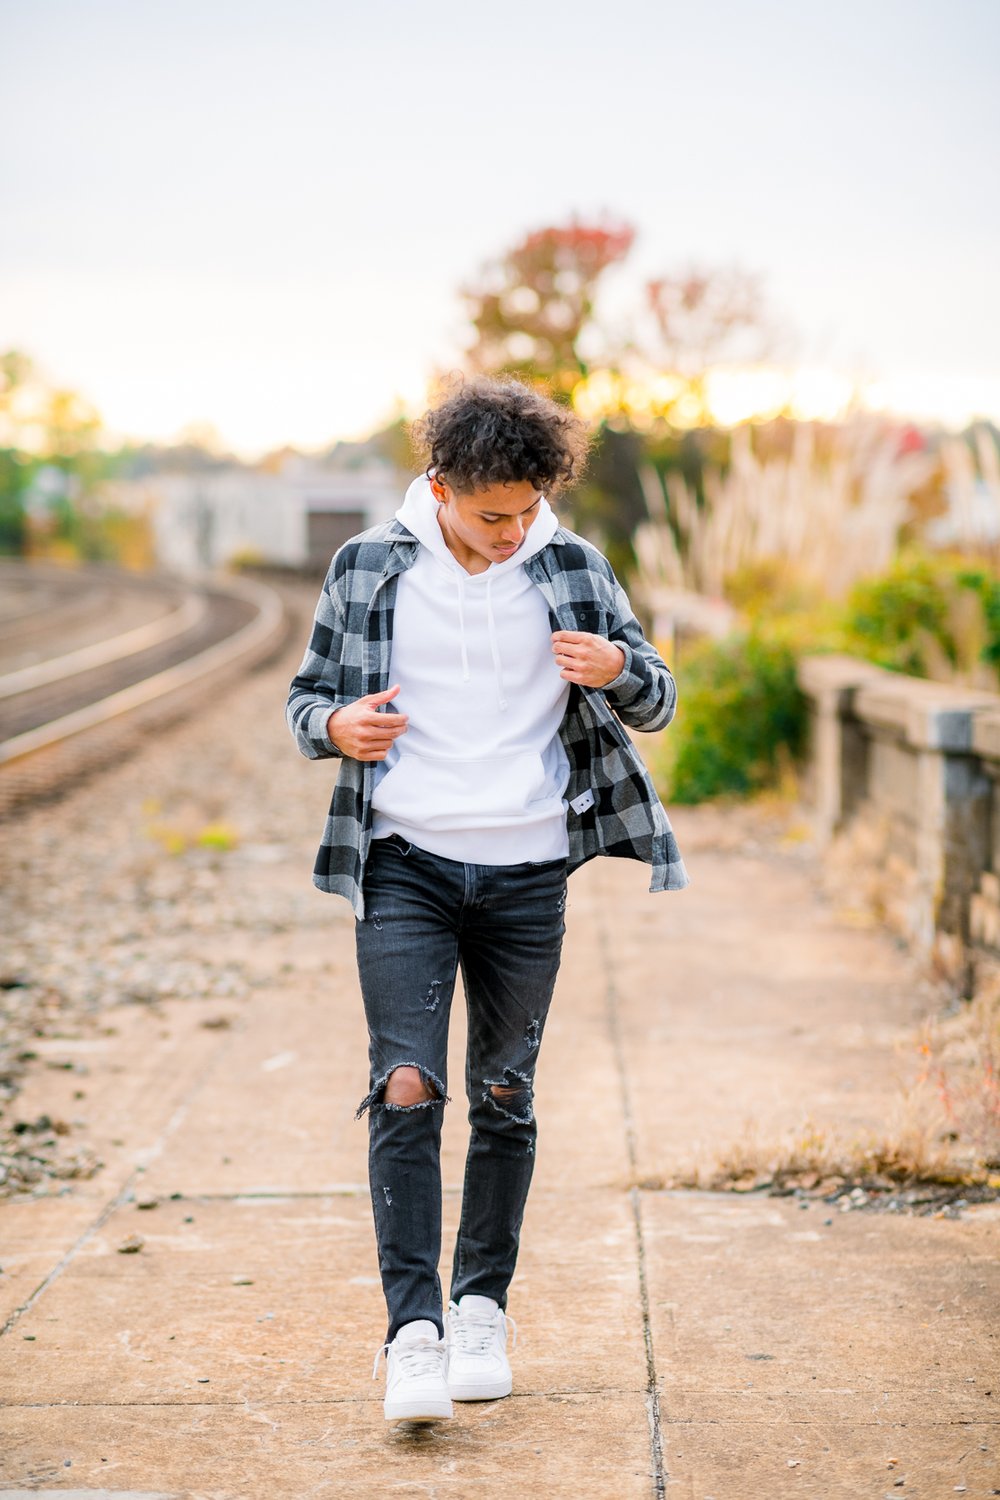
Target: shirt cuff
<point x="629" y="682"/>
<point x="318" y="720"/>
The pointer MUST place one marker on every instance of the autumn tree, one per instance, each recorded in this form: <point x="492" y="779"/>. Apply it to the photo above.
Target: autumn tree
<point x="530" y="307"/>
<point x="701" y="319"/>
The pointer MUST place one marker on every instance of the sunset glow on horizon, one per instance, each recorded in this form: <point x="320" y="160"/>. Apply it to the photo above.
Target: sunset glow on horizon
<point x="280" y="260"/>
<point x="732" y="396"/>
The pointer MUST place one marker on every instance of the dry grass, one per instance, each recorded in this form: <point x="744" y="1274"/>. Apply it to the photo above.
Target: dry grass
<point x="966" y="478"/>
<point x="913" y="1152"/>
<point x="830" y="517"/>
<point x="943" y="1130"/>
<point x="960" y="1055"/>
<point x="822" y="516"/>
<point x="913" y="1149"/>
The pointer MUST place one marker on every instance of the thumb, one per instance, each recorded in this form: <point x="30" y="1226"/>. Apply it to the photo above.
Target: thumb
<point x="383" y="697"/>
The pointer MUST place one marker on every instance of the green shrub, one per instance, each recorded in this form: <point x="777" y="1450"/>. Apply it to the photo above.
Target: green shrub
<point x="986" y="587"/>
<point x="740" y="715"/>
<point x="13" y="482"/>
<point x="889" y="619"/>
<point x="931" y="615"/>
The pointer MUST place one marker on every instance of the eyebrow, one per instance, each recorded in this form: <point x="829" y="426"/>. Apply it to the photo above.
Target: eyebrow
<point x="523" y="512"/>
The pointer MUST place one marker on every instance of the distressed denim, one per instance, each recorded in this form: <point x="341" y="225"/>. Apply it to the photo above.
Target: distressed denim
<point x="503" y="925"/>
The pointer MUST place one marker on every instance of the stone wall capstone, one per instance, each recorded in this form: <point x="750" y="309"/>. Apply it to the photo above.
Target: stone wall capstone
<point x="910" y="769"/>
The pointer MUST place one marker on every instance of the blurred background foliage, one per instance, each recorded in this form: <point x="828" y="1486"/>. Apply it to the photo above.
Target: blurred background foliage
<point x="862" y="534"/>
<point x="53" y="476"/>
<point x="741" y="720"/>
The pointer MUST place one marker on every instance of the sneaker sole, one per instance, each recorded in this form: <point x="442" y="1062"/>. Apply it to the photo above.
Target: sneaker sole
<point x="483" y="1391"/>
<point x="417" y="1411"/>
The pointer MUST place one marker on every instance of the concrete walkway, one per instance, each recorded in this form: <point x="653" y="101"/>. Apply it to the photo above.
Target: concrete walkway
<point x="706" y="1346"/>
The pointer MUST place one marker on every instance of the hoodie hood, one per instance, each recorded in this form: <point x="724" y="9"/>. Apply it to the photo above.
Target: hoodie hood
<point x="418" y="513"/>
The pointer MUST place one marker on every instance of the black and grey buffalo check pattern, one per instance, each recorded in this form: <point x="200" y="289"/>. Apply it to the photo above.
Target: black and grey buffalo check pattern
<point x="348" y="656"/>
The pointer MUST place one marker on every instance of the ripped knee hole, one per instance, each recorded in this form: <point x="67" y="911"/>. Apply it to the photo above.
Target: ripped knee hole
<point x="504" y="1091"/>
<point x="406" y="1085"/>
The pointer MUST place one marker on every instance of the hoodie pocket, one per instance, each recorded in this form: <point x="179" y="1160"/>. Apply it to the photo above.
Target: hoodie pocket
<point x="487" y="792"/>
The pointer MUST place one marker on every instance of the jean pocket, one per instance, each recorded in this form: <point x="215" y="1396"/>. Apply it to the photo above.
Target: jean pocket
<point x="393" y="841"/>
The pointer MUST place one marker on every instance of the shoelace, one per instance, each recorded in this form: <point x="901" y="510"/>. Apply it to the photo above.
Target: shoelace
<point x="422" y="1357"/>
<point x="473" y="1333"/>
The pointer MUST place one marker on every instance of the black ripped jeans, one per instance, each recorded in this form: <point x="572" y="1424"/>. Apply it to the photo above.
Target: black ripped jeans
<point x="504" y="924"/>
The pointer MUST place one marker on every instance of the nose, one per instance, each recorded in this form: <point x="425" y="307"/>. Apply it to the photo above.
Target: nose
<point x="512" y="536"/>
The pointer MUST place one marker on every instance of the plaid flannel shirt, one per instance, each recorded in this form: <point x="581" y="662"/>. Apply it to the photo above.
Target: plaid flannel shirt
<point x="613" y="807"/>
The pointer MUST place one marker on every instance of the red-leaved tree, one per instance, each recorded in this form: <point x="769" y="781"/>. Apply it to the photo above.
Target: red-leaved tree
<point x="530" y="306"/>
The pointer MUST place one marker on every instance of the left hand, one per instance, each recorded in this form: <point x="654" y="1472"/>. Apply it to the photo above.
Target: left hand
<point x="590" y="660"/>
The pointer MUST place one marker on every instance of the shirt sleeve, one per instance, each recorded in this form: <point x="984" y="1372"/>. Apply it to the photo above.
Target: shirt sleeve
<point x="314" y="692"/>
<point x="644" y="694"/>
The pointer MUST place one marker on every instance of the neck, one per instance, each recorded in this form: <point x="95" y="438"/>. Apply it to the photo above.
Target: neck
<point x="472" y="562"/>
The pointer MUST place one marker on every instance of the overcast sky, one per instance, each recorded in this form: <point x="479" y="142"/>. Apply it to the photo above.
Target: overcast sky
<point x="258" y="214"/>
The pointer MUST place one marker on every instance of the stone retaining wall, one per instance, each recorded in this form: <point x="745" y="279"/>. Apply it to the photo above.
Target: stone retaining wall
<point x="908" y="771"/>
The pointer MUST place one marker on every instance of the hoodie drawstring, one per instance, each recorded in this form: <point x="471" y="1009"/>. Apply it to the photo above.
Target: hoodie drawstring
<point x="494" y="644"/>
<point x="492" y="629"/>
<point x="461" y="627"/>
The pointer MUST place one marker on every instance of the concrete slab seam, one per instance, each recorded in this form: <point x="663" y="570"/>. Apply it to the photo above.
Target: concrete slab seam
<point x="618" y="1051"/>
<point x="611" y="1393"/>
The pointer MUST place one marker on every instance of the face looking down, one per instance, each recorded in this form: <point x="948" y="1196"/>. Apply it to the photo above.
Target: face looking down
<point x="489" y="525"/>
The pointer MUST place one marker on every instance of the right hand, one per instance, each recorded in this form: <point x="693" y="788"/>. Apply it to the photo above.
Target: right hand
<point x="360" y="731"/>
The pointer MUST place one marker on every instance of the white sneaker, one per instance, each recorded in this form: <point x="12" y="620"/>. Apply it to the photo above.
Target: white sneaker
<point x="476" y="1331"/>
<point x="416" y="1374"/>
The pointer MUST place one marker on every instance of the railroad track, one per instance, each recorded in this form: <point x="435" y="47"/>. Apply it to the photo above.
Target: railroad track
<point x="63" y="716"/>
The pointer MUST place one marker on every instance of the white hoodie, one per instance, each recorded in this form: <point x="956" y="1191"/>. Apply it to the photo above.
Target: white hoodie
<point x="480" y="772"/>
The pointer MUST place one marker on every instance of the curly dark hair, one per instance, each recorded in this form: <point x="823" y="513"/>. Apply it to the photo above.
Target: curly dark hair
<point x="496" y="429"/>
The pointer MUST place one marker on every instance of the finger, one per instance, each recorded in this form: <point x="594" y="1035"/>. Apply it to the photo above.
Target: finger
<point x="571" y="636"/>
<point x="373" y="717"/>
<point x="375" y="741"/>
<point x="381" y="737"/>
<point x="381" y="697"/>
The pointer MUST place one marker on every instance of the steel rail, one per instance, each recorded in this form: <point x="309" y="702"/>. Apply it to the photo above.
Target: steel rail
<point x="256" y="633"/>
<point x="190" y="613"/>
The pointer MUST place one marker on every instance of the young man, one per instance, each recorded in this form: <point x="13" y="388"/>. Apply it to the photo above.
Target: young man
<point x="469" y="663"/>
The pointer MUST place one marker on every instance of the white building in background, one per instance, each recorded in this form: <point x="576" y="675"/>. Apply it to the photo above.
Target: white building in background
<point x="296" y="517"/>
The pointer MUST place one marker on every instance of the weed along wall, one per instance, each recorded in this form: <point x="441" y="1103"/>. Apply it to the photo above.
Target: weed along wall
<point x="903" y="775"/>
